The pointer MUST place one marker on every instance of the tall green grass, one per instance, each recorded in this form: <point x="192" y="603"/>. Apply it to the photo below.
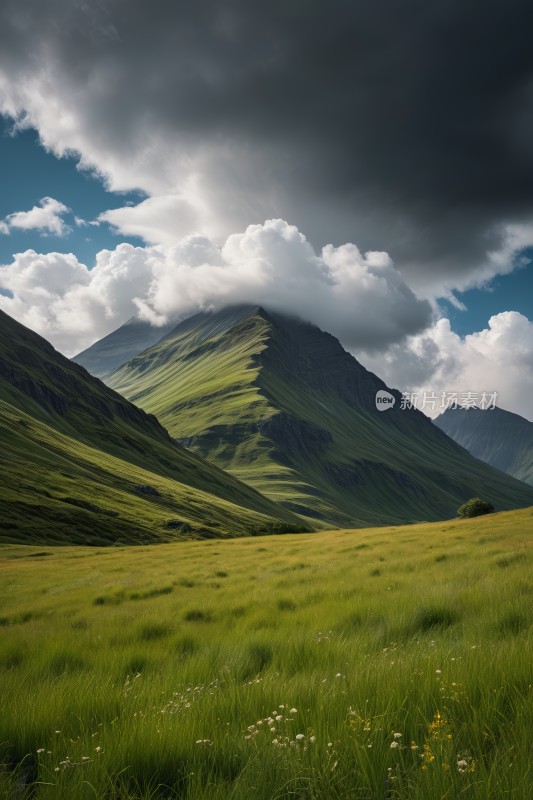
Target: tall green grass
<point x="384" y="663"/>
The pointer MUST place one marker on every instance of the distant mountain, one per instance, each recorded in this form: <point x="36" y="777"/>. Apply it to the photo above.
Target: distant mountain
<point x="280" y="404"/>
<point x="109" y="353"/>
<point x="80" y="464"/>
<point x="498" y="437"/>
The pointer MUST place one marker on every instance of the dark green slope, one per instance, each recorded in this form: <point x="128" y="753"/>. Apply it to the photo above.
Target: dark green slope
<point x="107" y="354"/>
<point x="498" y="437"/>
<point x="82" y="464"/>
<point x="282" y="406"/>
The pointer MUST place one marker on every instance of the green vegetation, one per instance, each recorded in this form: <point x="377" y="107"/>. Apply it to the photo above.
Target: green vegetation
<point x="475" y="507"/>
<point x="82" y="465"/>
<point x="280" y="405"/>
<point x="57" y="490"/>
<point x="383" y="663"/>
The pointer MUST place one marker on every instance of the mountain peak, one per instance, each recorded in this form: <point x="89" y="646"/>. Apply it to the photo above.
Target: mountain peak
<point x="281" y="405"/>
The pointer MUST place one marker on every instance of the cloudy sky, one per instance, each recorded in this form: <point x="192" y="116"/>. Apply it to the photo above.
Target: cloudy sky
<point x="368" y="166"/>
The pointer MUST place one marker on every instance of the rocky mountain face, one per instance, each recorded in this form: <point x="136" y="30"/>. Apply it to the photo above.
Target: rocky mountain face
<point x="282" y="406"/>
<point x="501" y="438"/>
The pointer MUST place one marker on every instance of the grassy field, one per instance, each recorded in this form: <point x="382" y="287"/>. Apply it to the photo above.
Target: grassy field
<point x="383" y="663"/>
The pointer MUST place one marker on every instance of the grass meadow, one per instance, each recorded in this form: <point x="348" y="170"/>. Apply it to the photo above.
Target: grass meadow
<point x="376" y="663"/>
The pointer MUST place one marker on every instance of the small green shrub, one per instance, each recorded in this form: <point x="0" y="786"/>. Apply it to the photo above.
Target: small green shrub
<point x="474" y="507"/>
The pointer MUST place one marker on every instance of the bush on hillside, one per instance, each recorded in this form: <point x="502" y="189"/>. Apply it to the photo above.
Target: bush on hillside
<point x="474" y="507"/>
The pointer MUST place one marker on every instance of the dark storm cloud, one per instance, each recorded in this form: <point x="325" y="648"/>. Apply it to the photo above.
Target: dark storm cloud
<point x="404" y="126"/>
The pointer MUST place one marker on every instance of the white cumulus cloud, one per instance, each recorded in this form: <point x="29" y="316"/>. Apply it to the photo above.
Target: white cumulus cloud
<point x="47" y="217"/>
<point x="361" y="298"/>
<point x="157" y="220"/>
<point x="498" y="358"/>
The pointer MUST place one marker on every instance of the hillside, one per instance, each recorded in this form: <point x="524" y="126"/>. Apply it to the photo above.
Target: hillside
<point x="80" y="464"/>
<point x="283" y="407"/>
<point x="498" y="437"/>
<point x="109" y="353"/>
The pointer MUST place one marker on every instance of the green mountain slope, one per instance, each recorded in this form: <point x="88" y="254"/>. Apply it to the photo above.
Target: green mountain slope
<point x="107" y="354"/>
<point x="498" y="437"/>
<point x="81" y="464"/>
<point x="282" y="406"/>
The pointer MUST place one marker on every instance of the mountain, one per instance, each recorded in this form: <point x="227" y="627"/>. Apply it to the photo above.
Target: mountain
<point x="498" y="437"/>
<point x="279" y="404"/>
<point x="105" y="355"/>
<point x="80" y="464"/>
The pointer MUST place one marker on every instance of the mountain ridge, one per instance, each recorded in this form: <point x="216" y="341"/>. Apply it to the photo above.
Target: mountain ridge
<point x="107" y="354"/>
<point x="281" y="405"/>
<point x="499" y="437"/>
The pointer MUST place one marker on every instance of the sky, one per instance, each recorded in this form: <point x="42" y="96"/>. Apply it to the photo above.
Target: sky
<point x="367" y="166"/>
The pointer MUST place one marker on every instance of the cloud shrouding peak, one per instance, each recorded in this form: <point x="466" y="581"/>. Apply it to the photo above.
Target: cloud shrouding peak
<point x="360" y="298"/>
<point x="46" y="218"/>
<point x="352" y="119"/>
